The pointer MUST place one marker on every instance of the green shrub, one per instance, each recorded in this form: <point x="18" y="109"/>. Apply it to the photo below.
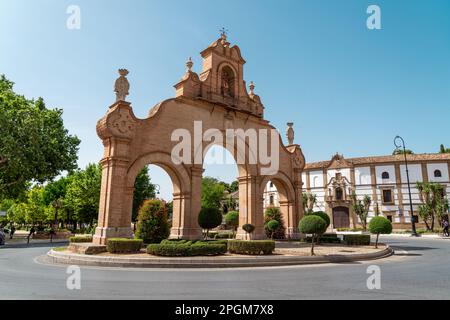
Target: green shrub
<point x="314" y="225"/>
<point x="152" y="225"/>
<point x="249" y="228"/>
<point x="273" y="213"/>
<point x="357" y="239"/>
<point x="326" y="239"/>
<point x="187" y="249"/>
<point x="321" y="214"/>
<point x="232" y="220"/>
<point x="208" y="249"/>
<point x="119" y="245"/>
<point x="273" y="226"/>
<point x="380" y="225"/>
<point x="209" y="218"/>
<point x="81" y="239"/>
<point x="224" y="235"/>
<point x="253" y="247"/>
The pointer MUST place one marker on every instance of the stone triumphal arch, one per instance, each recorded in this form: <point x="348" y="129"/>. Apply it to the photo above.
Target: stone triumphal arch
<point x="217" y="98"/>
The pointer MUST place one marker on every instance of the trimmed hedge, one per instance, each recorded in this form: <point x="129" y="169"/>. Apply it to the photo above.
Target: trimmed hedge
<point x="119" y="245"/>
<point x="326" y="239"/>
<point x="224" y="235"/>
<point x="253" y="247"/>
<point x="183" y="248"/>
<point x="81" y="239"/>
<point x="357" y="239"/>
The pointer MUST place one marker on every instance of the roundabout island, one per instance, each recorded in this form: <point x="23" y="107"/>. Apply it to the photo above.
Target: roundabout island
<point x="284" y="254"/>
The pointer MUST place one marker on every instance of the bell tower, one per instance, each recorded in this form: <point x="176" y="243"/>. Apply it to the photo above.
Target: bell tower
<point x="222" y="79"/>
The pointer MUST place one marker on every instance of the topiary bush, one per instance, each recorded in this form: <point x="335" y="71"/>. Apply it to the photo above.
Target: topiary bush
<point x="253" y="247"/>
<point x="209" y="218"/>
<point x="321" y="214"/>
<point x="273" y="213"/>
<point x="81" y="239"/>
<point x="152" y="225"/>
<point x="232" y="220"/>
<point x="380" y="225"/>
<point x="273" y="226"/>
<point x="249" y="228"/>
<point x="357" y="239"/>
<point x="314" y="225"/>
<point x="119" y="245"/>
<point x="187" y="248"/>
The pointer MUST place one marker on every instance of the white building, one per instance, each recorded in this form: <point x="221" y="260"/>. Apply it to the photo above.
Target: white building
<point x="383" y="178"/>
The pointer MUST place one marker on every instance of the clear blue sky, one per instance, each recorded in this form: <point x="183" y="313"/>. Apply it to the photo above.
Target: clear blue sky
<point x="348" y="89"/>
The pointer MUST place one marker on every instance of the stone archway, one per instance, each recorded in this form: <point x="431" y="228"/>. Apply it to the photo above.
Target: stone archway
<point x="201" y="106"/>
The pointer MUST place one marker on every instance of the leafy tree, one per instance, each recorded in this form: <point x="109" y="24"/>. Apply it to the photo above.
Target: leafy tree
<point x="34" y="144"/>
<point x="313" y="225"/>
<point x="361" y="208"/>
<point x="152" y="226"/>
<point x="234" y="186"/>
<point x="212" y="192"/>
<point x="380" y="225"/>
<point x="443" y="149"/>
<point x="232" y="219"/>
<point x="83" y="194"/>
<point x="273" y="213"/>
<point x="309" y="200"/>
<point x="143" y="190"/>
<point x="209" y="218"/>
<point x="401" y="151"/>
<point x="435" y="205"/>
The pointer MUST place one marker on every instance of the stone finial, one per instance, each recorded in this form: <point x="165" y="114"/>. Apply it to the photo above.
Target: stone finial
<point x="189" y="65"/>
<point x="252" y="88"/>
<point x="122" y="86"/>
<point x="290" y="133"/>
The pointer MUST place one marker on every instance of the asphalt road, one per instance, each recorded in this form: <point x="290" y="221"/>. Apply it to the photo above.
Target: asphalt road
<point x="419" y="270"/>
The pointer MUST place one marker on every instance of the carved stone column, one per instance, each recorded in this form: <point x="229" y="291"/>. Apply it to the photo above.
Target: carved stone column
<point x="116" y="130"/>
<point x="250" y="208"/>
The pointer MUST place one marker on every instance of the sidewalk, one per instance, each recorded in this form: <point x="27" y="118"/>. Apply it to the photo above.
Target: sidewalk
<point x="22" y="242"/>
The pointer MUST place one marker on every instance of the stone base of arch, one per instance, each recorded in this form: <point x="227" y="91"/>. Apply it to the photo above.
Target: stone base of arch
<point x="103" y="233"/>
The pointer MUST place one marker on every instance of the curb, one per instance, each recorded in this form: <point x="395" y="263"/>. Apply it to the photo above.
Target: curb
<point x="56" y="257"/>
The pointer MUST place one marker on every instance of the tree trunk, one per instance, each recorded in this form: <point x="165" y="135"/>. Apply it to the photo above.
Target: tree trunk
<point x="432" y="222"/>
<point x="312" y="246"/>
<point x="376" y="243"/>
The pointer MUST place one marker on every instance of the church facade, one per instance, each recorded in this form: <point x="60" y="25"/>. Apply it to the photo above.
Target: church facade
<point x="382" y="178"/>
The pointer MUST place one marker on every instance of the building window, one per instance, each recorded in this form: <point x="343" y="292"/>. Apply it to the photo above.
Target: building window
<point x="271" y="201"/>
<point x="438" y="174"/>
<point x="271" y="184"/>
<point x="339" y="194"/>
<point x="389" y="218"/>
<point x="385" y="175"/>
<point x="387" y="196"/>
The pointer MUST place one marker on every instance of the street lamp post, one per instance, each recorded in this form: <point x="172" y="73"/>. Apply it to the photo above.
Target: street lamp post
<point x="399" y="144"/>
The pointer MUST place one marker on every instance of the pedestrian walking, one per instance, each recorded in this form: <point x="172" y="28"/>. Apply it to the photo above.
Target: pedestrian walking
<point x="445" y="225"/>
<point x="2" y="237"/>
<point x="32" y="231"/>
<point x="11" y="232"/>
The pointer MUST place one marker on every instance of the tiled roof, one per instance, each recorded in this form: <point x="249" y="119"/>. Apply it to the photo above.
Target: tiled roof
<point x="382" y="159"/>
